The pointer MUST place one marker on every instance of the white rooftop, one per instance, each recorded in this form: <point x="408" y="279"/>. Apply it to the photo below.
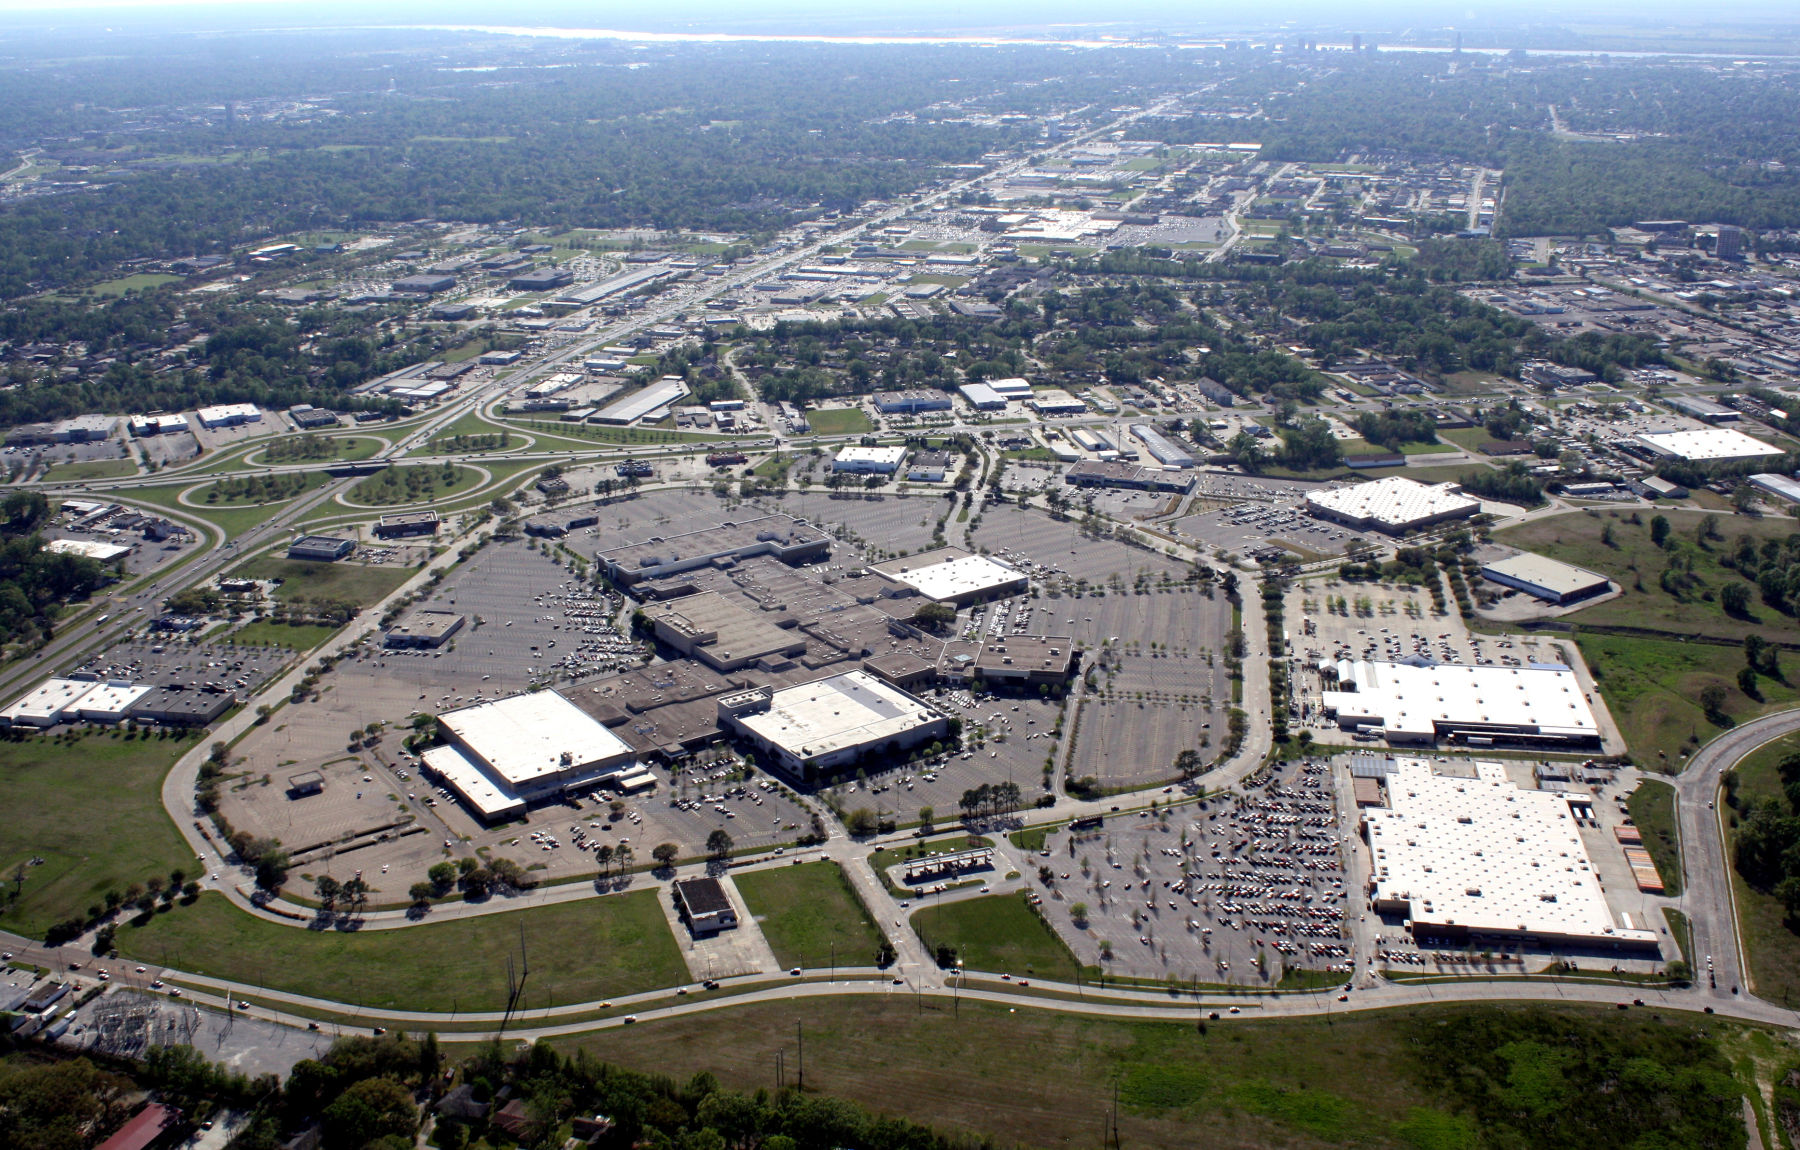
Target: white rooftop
<point x="110" y="700"/>
<point x="1709" y="443"/>
<point x="525" y="737"/>
<point x="1486" y="854"/>
<point x="46" y="702"/>
<point x="1417" y="701"/>
<point x="847" y="710"/>
<point x="1394" y="502"/>
<point x="1011" y="388"/>
<point x="876" y="456"/>
<point x="1542" y="571"/>
<point x="482" y="792"/>
<point x="88" y="548"/>
<point x="954" y="578"/>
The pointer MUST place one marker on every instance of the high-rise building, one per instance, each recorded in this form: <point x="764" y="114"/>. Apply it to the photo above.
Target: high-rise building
<point x="1731" y="242"/>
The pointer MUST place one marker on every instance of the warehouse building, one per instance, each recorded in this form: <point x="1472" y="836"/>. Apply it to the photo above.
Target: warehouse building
<point x="1703" y="409"/>
<point x="1011" y="388"/>
<point x="423" y="284"/>
<point x="1395" y="505"/>
<point x="1711" y="445"/>
<point x="781" y="536"/>
<point x="818" y="728"/>
<point x="724" y="634"/>
<point x="1055" y="401"/>
<point x="951" y="575"/>
<point x="506" y="754"/>
<point x="1463" y="853"/>
<point x="228" y="415"/>
<point x="1164" y="450"/>
<point x="1541" y="704"/>
<point x="543" y="279"/>
<point x="910" y="402"/>
<point x="427" y="630"/>
<point x="320" y="548"/>
<point x="869" y="460"/>
<point x="982" y="397"/>
<point x="1781" y="486"/>
<point x="650" y="400"/>
<point x="1545" y="578"/>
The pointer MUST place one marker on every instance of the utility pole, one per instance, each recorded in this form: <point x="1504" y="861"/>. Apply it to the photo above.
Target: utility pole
<point x="800" y="1034"/>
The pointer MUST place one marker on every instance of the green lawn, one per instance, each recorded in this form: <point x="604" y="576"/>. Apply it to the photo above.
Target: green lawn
<point x="575" y="433"/>
<point x="140" y="282"/>
<point x="348" y="582"/>
<point x="1772" y="948"/>
<point x="249" y="490"/>
<point x="92" y="469"/>
<point x="1652" y="807"/>
<point x="1439" y="1078"/>
<point x="92" y="810"/>
<point x="350" y="449"/>
<point x="1000" y="933"/>
<point x="805" y="911"/>
<point x="413" y="483"/>
<point x="1637" y="564"/>
<point x="839" y="421"/>
<point x="303" y="637"/>
<point x="1426" y="448"/>
<point x="1652" y="688"/>
<point x="579" y="951"/>
<point x="233" y="521"/>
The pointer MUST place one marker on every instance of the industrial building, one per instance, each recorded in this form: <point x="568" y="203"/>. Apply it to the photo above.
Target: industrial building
<point x="1546" y="578"/>
<point x="642" y="403"/>
<point x="724" y="634"/>
<point x="1539" y="704"/>
<point x="910" y="402"/>
<point x="1702" y="409"/>
<point x="952" y="575"/>
<point x="1161" y="448"/>
<point x="1462" y="852"/>
<point x="705" y="906"/>
<point x="1781" y="486"/>
<point x="618" y="285"/>
<point x="320" y="548"/>
<point x="1011" y="388"/>
<point x="511" y="752"/>
<point x="407" y="525"/>
<point x="423" y="629"/>
<point x="228" y="415"/>
<point x="781" y="536"/>
<point x="543" y="279"/>
<point x="423" y="284"/>
<point x="983" y="397"/>
<point x="1395" y="505"/>
<point x="817" y="728"/>
<point x="306" y="417"/>
<point x="869" y="460"/>
<point x="1710" y="445"/>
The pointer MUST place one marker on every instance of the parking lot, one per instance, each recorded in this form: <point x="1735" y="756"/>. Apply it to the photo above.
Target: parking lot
<point x="174" y="662"/>
<point x="1244" y="527"/>
<point x="1060" y="554"/>
<point x="1233" y="889"/>
<point x="892" y="524"/>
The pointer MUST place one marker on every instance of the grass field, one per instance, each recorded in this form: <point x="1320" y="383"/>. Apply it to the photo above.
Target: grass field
<point x="579" y="951"/>
<point x="1772" y="950"/>
<point x="223" y="493"/>
<point x="807" y="911"/>
<point x="140" y="282"/>
<point x="233" y="521"/>
<point x="92" y="810"/>
<point x="413" y="483"/>
<point x="1000" y="933"/>
<point x="92" y="469"/>
<point x="839" y="421"/>
<point x="301" y="638"/>
<point x="1652" y="688"/>
<point x="1652" y="807"/>
<point x="342" y="581"/>
<point x="1636" y="564"/>
<point x="576" y="433"/>
<point x="1035" y="1078"/>
<point x="350" y="449"/>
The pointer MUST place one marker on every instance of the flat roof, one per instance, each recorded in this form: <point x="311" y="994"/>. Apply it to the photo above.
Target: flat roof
<point x="428" y="624"/>
<point x="703" y="896"/>
<point x="1012" y="388"/>
<point x="775" y="533"/>
<point x="848" y="710"/>
<point x="482" y="792"/>
<point x="112" y="698"/>
<point x="1542" y="571"/>
<point x="889" y="455"/>
<point x="1395" y="501"/>
<point x="1781" y="485"/>
<point x="1710" y="443"/>
<point x="739" y="634"/>
<point x="87" y="548"/>
<point x="48" y="699"/>
<point x="1486" y="854"/>
<point x="524" y="738"/>
<point x="1409" y="699"/>
<point x="642" y="402"/>
<point x="949" y="574"/>
<point x="981" y="395"/>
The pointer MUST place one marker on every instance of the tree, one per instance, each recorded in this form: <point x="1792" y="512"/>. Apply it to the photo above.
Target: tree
<point x="442" y="876"/>
<point x="861" y="821"/>
<point x="272" y="870"/>
<point x="420" y="893"/>
<point x="935" y="616"/>
<point x="1712" y="700"/>
<point x="665" y="854"/>
<point x="718" y="844"/>
<point x="1078" y="911"/>
<point x="1735" y="598"/>
<point x="1187" y="763"/>
<point x="369" y="1110"/>
<point x="327" y="890"/>
<point x="1659" y="530"/>
<point x="1746" y="678"/>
